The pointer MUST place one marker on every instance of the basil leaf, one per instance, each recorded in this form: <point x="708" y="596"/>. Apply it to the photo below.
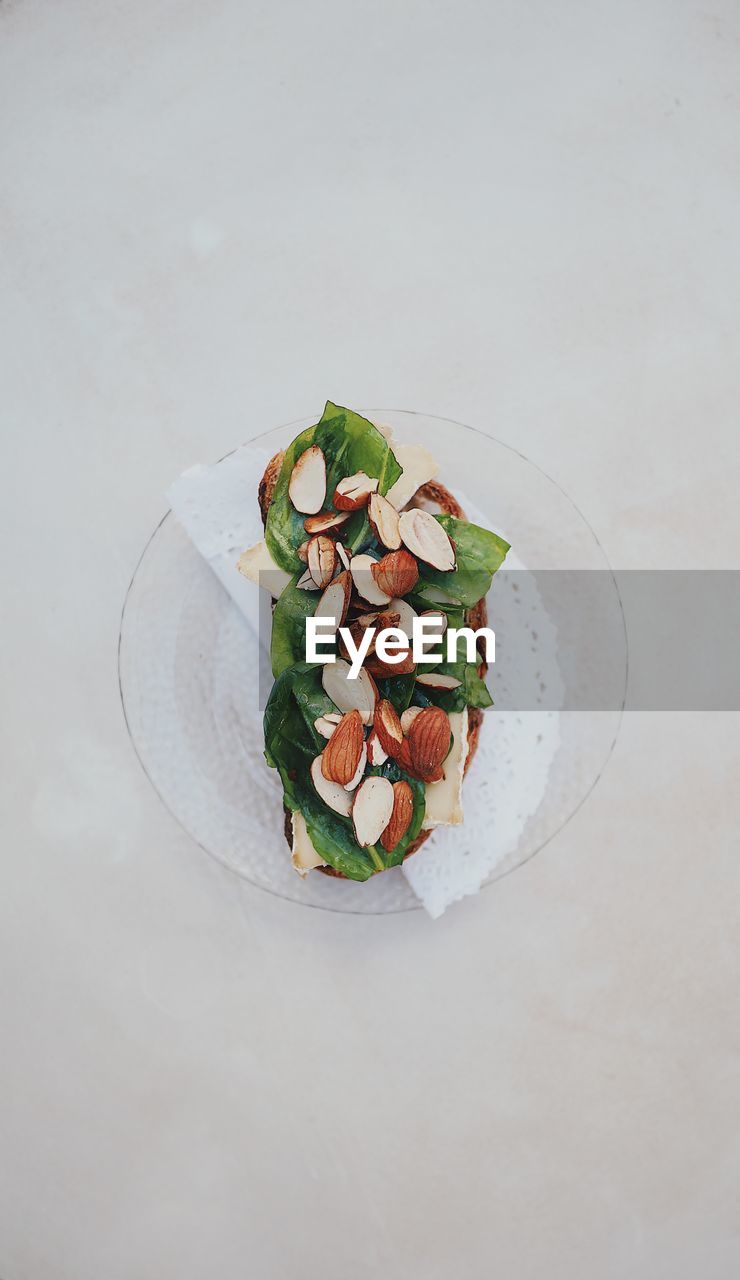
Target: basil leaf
<point x="349" y="443"/>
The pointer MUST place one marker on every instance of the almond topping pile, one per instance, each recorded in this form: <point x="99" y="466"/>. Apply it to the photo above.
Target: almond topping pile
<point x="369" y="589"/>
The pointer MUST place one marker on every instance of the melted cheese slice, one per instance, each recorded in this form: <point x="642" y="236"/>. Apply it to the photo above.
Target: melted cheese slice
<point x="258" y="565"/>
<point x="304" y="857"/>
<point x="417" y="463"/>
<point x="418" y="467"/>
<point x="444" y="799"/>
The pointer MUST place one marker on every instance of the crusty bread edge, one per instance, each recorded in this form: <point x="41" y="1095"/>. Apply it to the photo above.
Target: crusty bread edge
<point x="433" y="491"/>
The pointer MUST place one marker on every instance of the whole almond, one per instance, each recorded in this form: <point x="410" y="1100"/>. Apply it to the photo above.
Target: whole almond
<point x="397" y="573"/>
<point x="403" y="812"/>
<point x="429" y="741"/>
<point x="388" y="727"/>
<point x="343" y="751"/>
<point x="404" y="761"/>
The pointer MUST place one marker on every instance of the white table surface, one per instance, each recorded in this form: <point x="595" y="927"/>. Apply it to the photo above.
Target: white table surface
<point x="216" y="215"/>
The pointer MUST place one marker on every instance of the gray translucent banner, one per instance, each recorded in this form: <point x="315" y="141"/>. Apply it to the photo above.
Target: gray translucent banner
<point x="645" y="640"/>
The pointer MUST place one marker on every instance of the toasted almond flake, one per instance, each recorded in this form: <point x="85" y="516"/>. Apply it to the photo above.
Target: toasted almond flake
<point x="349" y="694"/>
<point x="434" y="638"/>
<point x="375" y="753"/>
<point x="408" y="716"/>
<point x="322" y="559"/>
<point x="434" y="680"/>
<point x="343" y="554"/>
<point x="372" y="810"/>
<point x="361" y="568"/>
<point x="334" y="600"/>
<point x="388" y="727"/>
<point x="406" y="615"/>
<point x="325" y="726"/>
<point x="307" y="485"/>
<point x="353" y="492"/>
<point x="384" y="521"/>
<point x="306" y="582"/>
<point x="426" y="539"/>
<point x="330" y="792"/>
<point x="388" y="670"/>
<point x="325" y="522"/>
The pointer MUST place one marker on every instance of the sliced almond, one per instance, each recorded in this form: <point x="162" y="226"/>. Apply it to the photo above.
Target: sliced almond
<point x="384" y="521"/>
<point x="433" y="639"/>
<point x="334" y="601"/>
<point x="344" y="555"/>
<point x="387" y="670"/>
<point x="401" y="815"/>
<point x="372" y="810"/>
<point x="347" y="694"/>
<point x="378" y="621"/>
<point x="356" y="779"/>
<point x="353" y="492"/>
<point x="361" y="568"/>
<point x="407" y="717"/>
<point x="344" y="750"/>
<point x="325" y="522"/>
<point x="302" y="551"/>
<point x="330" y="792"/>
<point x="426" y="539"/>
<point x="375" y="753"/>
<point x="406" y="615"/>
<point x="325" y="726"/>
<point x="306" y="582"/>
<point x="322" y="559"/>
<point x="433" y="680"/>
<point x="307" y="486"/>
<point x="396" y="574"/>
<point x="388" y="727"/>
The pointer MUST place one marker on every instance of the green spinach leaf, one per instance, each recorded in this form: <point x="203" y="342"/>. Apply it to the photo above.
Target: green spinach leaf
<point x="479" y="554"/>
<point x="349" y="443"/>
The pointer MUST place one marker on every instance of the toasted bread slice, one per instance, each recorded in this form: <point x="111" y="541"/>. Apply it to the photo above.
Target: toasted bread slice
<point x="435" y="494"/>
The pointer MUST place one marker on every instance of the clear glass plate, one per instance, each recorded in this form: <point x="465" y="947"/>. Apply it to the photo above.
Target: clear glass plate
<point x="188" y="663"/>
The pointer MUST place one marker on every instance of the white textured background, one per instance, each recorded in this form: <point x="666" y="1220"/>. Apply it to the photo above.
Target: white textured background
<point x="215" y="215"/>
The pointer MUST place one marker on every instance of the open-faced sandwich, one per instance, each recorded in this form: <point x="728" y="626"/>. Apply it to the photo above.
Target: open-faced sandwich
<point x="373" y="740"/>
